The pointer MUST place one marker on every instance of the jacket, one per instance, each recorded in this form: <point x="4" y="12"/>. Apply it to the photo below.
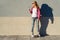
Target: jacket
<point x="38" y="12"/>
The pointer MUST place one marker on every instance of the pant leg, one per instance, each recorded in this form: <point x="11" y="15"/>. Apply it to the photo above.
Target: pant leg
<point x="37" y="25"/>
<point x="33" y="22"/>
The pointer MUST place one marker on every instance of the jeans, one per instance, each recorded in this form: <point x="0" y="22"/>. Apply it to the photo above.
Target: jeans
<point x="37" y="24"/>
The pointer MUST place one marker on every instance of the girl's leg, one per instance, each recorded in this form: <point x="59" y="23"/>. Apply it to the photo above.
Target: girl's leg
<point x="33" y="22"/>
<point x="37" y="25"/>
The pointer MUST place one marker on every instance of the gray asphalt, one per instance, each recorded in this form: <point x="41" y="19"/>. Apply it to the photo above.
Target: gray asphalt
<point x="25" y="37"/>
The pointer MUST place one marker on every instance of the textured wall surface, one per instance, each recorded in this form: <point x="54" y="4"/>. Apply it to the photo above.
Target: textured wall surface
<point x="20" y="7"/>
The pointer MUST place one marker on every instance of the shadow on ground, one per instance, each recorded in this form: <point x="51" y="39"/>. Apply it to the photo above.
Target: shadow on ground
<point x="47" y="13"/>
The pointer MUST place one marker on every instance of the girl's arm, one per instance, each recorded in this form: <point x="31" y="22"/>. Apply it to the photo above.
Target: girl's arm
<point x="30" y="10"/>
<point x="39" y="14"/>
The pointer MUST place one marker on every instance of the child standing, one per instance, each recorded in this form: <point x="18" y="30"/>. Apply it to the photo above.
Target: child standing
<point x="35" y="12"/>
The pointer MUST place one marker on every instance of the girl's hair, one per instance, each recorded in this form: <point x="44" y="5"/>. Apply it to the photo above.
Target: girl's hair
<point x="36" y="4"/>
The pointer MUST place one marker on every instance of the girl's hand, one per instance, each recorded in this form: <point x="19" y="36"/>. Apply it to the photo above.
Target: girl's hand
<point x="40" y="15"/>
<point x="29" y="9"/>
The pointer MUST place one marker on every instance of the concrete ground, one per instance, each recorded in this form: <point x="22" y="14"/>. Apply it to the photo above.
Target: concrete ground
<point x="20" y="37"/>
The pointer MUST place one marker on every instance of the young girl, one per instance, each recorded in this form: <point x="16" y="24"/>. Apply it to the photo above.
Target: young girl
<point x="35" y="12"/>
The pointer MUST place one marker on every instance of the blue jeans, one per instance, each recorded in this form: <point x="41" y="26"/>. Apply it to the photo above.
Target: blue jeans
<point x="37" y="24"/>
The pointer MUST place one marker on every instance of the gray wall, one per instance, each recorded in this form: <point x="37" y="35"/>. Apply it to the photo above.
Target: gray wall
<point x="14" y="8"/>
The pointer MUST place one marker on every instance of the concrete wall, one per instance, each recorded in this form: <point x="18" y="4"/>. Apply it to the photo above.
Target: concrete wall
<point x="16" y="20"/>
<point x="22" y="26"/>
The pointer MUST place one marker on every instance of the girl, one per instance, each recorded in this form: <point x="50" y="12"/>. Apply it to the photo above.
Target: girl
<point x="35" y="12"/>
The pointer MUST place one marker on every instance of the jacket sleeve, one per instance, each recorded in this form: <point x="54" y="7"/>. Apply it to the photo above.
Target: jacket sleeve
<point x="30" y="10"/>
<point x="38" y="13"/>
